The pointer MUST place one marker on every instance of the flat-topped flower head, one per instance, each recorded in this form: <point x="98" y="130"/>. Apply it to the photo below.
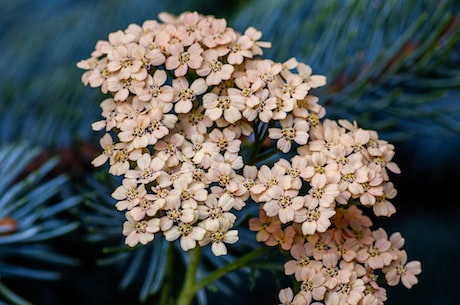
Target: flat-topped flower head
<point x="202" y="128"/>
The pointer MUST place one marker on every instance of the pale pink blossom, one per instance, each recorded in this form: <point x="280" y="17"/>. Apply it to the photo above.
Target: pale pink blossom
<point x="382" y="206"/>
<point x="268" y="179"/>
<point x="254" y="35"/>
<point x="264" y="225"/>
<point x="290" y="131"/>
<point x="168" y="149"/>
<point x="219" y="237"/>
<point x="139" y="231"/>
<point x="195" y="121"/>
<point x="302" y="259"/>
<point x="240" y="48"/>
<point x="293" y="87"/>
<point x="222" y="106"/>
<point x="186" y="94"/>
<point x="284" y="204"/>
<point x="349" y="293"/>
<point x="286" y="296"/>
<point x="148" y="206"/>
<point x="155" y="89"/>
<point x="401" y="270"/>
<point x="213" y="69"/>
<point x="181" y="60"/>
<point x="188" y="233"/>
<point x="225" y="140"/>
<point x="133" y="131"/>
<point x="217" y="33"/>
<point x="311" y="286"/>
<point x="107" y="145"/>
<point x="109" y="113"/>
<point x="324" y="190"/>
<point x="378" y="254"/>
<point x="215" y="211"/>
<point x="282" y="237"/>
<point x="313" y="81"/>
<point x="317" y="219"/>
<point x="148" y="169"/>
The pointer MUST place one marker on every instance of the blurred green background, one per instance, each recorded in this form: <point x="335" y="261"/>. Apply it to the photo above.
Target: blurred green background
<point x="393" y="66"/>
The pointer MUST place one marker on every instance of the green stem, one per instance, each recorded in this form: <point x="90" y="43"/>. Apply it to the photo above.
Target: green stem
<point x="236" y="264"/>
<point x="191" y="286"/>
<point x="11" y="296"/>
<point x="165" y="298"/>
<point x="188" y="291"/>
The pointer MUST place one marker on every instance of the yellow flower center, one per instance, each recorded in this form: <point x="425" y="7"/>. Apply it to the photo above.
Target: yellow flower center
<point x="217" y="237"/>
<point x="216" y="66"/>
<point x="285" y="201"/>
<point x="184" y="58"/>
<point x="313" y="215"/>
<point x="185" y="228"/>
<point x="223" y="102"/>
<point x="141" y="226"/>
<point x="288" y="133"/>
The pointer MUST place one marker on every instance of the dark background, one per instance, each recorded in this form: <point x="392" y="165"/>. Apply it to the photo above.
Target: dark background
<point x="43" y="40"/>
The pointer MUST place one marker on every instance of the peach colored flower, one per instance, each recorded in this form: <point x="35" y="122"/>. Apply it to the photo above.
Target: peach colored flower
<point x="283" y="237"/>
<point x="382" y="206"/>
<point x="215" y="211"/>
<point x="225" y="140"/>
<point x="107" y="145"/>
<point x="128" y="194"/>
<point x="245" y="93"/>
<point x="148" y="169"/>
<point x="313" y="81"/>
<point x="312" y="285"/>
<point x="181" y="60"/>
<point x="133" y="131"/>
<point x="317" y="219"/>
<point x="119" y="162"/>
<point x="218" y="238"/>
<point x="217" y="33"/>
<point x="185" y="95"/>
<point x="303" y="259"/>
<point x="109" y="113"/>
<point x="240" y="48"/>
<point x="263" y="225"/>
<point x="148" y="206"/>
<point x="289" y="131"/>
<point x="268" y="179"/>
<point x="195" y="121"/>
<point x="254" y="35"/>
<point x="266" y="70"/>
<point x="333" y="273"/>
<point x="349" y="293"/>
<point x="286" y="296"/>
<point x="160" y="125"/>
<point x="141" y="231"/>
<point x="222" y="106"/>
<point x="324" y="190"/>
<point x="293" y="87"/>
<point x="188" y="233"/>
<point x="168" y="149"/>
<point x="155" y="89"/>
<point x="402" y="271"/>
<point x="213" y="69"/>
<point x="284" y="204"/>
<point x="378" y="254"/>
<point x="190" y="193"/>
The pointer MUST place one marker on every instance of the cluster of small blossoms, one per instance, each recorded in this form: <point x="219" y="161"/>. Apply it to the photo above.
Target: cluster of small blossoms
<point x="185" y="96"/>
<point x="308" y="206"/>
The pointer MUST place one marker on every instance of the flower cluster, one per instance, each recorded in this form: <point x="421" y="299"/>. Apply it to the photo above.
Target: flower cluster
<point x="193" y="115"/>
